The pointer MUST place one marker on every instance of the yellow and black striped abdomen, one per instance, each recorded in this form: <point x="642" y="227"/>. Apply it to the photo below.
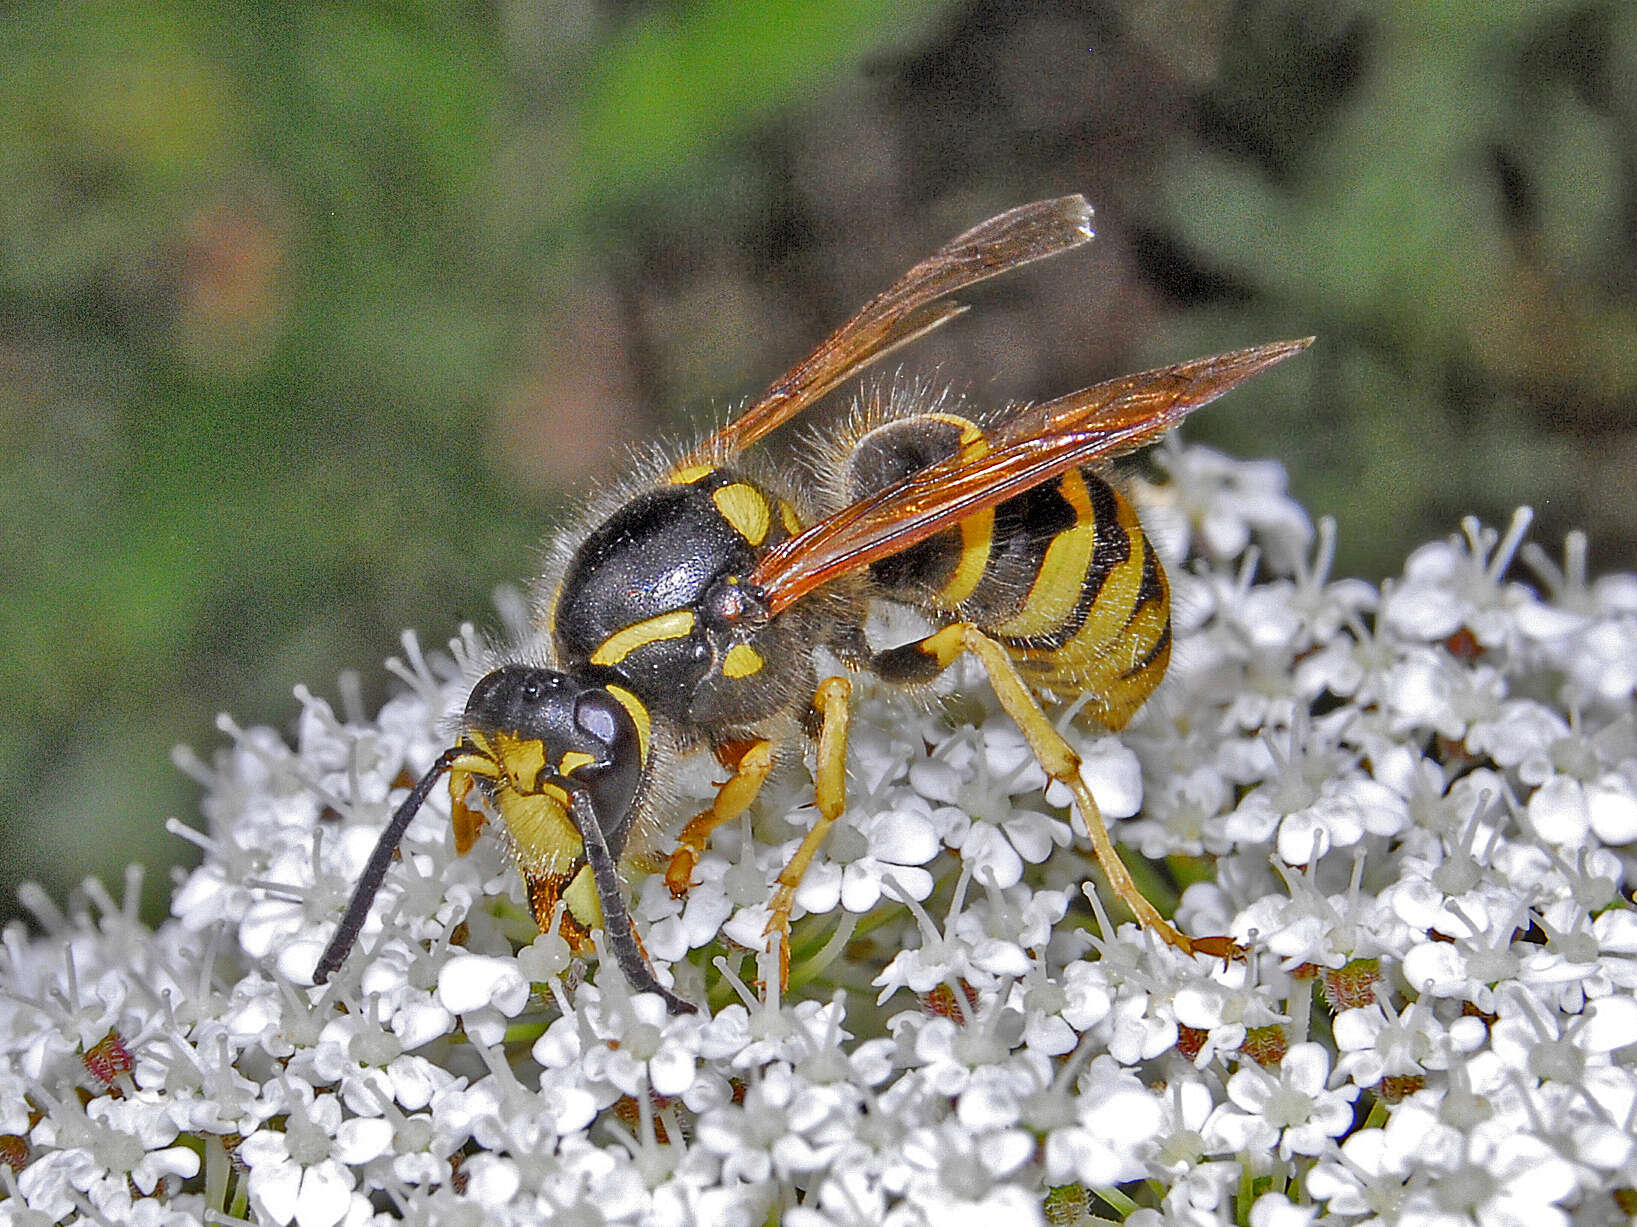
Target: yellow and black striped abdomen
<point x="1061" y="575"/>
<point x="1094" y="616"/>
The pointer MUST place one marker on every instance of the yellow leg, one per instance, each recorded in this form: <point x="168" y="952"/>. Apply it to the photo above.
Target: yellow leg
<point x="1054" y="755"/>
<point x="833" y="702"/>
<point x="732" y="799"/>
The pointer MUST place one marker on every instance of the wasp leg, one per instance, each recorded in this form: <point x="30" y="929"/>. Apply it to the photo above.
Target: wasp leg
<point x="1054" y="755"/>
<point x="618" y="931"/>
<point x="750" y="772"/>
<point x="833" y="702"/>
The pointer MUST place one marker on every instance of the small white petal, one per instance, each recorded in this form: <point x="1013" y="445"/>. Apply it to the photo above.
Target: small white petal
<point x="363" y="1138"/>
<point x="903" y="838"/>
<point x="1436" y="967"/>
<point x="469" y="981"/>
<point x="1557" y="811"/>
<point x="1612" y="808"/>
<point x="325" y="1198"/>
<point x="491" y="1181"/>
<point x="1111" y="770"/>
<point x="672" y="1070"/>
<point x="277" y="1186"/>
<point x="1277" y="1210"/>
<point x="1612" y="1024"/>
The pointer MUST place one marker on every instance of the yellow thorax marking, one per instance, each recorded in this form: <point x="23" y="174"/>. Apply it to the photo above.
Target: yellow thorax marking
<point x="741" y="661"/>
<point x="744" y="507"/>
<point x="973" y="444"/>
<point x="789" y="518"/>
<point x="690" y="473"/>
<point x="674" y="625"/>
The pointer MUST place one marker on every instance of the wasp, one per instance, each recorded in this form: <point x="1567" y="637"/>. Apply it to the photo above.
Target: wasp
<point x="684" y="615"/>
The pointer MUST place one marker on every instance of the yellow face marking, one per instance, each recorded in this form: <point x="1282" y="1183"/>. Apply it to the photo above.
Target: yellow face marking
<point x="690" y="473"/>
<point x="544" y="836"/>
<point x="467" y="820"/>
<point x="574" y="759"/>
<point x="522" y="759"/>
<point x="639" y="716"/>
<point x="741" y="661"/>
<point x="674" y="625"/>
<point x="744" y="507"/>
<point x="481" y="759"/>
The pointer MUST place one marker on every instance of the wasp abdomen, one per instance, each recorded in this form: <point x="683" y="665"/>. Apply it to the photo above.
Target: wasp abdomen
<point x="1062" y="574"/>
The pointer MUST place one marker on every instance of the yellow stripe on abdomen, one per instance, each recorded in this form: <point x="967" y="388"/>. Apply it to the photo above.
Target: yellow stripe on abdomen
<point x="1120" y="650"/>
<point x="977" y="541"/>
<point x="1057" y="587"/>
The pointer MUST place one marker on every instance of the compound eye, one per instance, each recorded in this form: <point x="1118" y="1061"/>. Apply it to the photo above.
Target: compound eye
<point x="600" y="717"/>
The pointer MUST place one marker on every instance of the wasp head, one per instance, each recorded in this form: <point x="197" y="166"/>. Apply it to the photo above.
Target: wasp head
<point x="560" y="758"/>
<point x="538" y="732"/>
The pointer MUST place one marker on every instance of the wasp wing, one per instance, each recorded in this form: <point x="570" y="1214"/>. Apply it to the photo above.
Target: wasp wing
<point x="1096" y="423"/>
<point x="1155" y="400"/>
<point x="911" y="307"/>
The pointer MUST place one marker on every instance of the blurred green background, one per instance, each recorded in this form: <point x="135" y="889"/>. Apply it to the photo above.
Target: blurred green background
<point x="314" y="317"/>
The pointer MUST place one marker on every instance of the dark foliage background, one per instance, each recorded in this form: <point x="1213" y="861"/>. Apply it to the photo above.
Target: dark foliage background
<point x="313" y="317"/>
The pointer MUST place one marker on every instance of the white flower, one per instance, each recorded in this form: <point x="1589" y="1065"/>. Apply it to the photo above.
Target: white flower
<point x="1182" y="1154"/>
<point x="1376" y="1041"/>
<point x="1111" y="1138"/>
<point x="864" y="850"/>
<point x="1512" y="1178"/>
<point x="956" y="1176"/>
<point x="302" y="1173"/>
<point x="1227" y="501"/>
<point x="1296" y="1109"/>
<point x="1225" y="1003"/>
<point x="629" y="1043"/>
<point x="973" y="777"/>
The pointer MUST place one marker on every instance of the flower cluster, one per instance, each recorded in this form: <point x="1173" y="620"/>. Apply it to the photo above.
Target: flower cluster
<point x="1414" y="809"/>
